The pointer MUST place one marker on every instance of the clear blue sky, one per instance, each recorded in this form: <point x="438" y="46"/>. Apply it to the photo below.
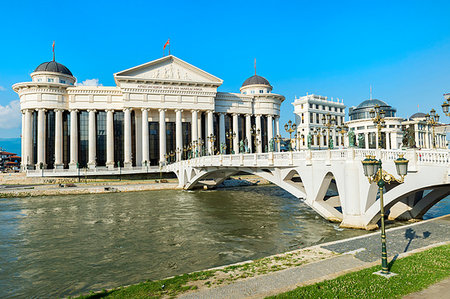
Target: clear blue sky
<point x="331" y="48"/>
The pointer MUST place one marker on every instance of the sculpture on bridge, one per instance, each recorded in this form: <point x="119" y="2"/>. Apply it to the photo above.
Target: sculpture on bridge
<point x="361" y="141"/>
<point x="271" y="145"/>
<point x="223" y="148"/>
<point x="246" y="146"/>
<point x="409" y="137"/>
<point x="241" y="146"/>
<point x="331" y="143"/>
<point x="351" y="138"/>
<point x="309" y="140"/>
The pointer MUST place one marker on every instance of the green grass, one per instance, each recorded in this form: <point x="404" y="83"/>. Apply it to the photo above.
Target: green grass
<point x="415" y="273"/>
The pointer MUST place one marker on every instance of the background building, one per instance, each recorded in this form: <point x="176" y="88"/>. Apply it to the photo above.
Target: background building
<point x="166" y="106"/>
<point x="312" y="113"/>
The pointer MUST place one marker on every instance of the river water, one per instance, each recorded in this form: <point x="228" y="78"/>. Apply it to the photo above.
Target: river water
<point x="66" y="245"/>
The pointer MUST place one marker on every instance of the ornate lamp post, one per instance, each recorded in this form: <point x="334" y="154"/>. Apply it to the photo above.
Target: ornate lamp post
<point x="172" y="156"/>
<point x="255" y="133"/>
<point x="329" y="122"/>
<point x="166" y="156"/>
<point x="290" y="128"/>
<point x="342" y="130"/>
<point x="375" y="174"/>
<point x="432" y="119"/>
<point x="200" y="146"/>
<point x="230" y="135"/>
<point x="194" y="148"/>
<point x="446" y="104"/>
<point x="277" y="140"/>
<point x="185" y="150"/>
<point x="212" y="139"/>
<point x="377" y="116"/>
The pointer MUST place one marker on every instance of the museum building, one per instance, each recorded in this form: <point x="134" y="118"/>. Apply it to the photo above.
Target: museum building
<point x="157" y="110"/>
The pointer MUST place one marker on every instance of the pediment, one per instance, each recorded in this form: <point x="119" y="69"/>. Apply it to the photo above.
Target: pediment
<point x="168" y="68"/>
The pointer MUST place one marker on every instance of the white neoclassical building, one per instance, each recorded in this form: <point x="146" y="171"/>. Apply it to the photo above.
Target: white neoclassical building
<point x="312" y="114"/>
<point x="158" y="109"/>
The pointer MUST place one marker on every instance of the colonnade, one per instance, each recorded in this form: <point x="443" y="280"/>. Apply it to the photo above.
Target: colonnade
<point x="196" y="135"/>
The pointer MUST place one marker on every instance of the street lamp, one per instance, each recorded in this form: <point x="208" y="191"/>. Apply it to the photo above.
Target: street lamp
<point x="375" y="174"/>
<point x="342" y="130"/>
<point x="290" y="128"/>
<point x="230" y="135"/>
<point x="255" y="133"/>
<point x="200" y="146"/>
<point x="446" y="104"/>
<point x="432" y="119"/>
<point x="377" y="116"/>
<point x="172" y="155"/>
<point x="277" y="140"/>
<point x="329" y="122"/>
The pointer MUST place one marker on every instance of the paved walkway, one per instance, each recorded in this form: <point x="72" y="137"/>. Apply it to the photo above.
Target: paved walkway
<point x="361" y="252"/>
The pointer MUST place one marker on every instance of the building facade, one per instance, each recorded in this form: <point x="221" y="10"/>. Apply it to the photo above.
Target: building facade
<point x="157" y="111"/>
<point x="321" y="119"/>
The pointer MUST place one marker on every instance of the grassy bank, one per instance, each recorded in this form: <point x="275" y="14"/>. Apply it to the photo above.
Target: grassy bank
<point x="415" y="272"/>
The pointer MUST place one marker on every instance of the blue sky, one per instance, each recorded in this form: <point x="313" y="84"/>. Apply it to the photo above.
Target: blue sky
<point x="331" y="48"/>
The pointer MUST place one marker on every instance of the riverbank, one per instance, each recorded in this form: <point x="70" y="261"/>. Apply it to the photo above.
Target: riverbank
<point x="45" y="187"/>
<point x="283" y="272"/>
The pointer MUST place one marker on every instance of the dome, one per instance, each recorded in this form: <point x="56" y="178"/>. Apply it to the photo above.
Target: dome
<point x="253" y="80"/>
<point x="417" y="115"/>
<point x="371" y="103"/>
<point x="54" y="67"/>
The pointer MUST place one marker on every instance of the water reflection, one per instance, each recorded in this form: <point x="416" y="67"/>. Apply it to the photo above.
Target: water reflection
<point x="61" y="246"/>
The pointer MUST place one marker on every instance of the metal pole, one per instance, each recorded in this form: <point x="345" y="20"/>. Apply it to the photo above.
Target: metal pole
<point x="384" y="264"/>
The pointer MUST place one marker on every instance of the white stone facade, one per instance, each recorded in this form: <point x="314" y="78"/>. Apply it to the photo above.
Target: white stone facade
<point x="163" y="107"/>
<point x="309" y="113"/>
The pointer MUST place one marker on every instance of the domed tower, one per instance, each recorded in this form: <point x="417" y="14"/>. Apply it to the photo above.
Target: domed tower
<point x="42" y="103"/>
<point x="256" y="85"/>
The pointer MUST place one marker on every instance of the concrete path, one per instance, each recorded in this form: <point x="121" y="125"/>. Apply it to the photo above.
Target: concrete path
<point x="360" y="252"/>
<point x="438" y="290"/>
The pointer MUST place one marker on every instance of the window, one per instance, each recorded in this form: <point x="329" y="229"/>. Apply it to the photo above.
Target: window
<point x="39" y="79"/>
<point x="62" y="81"/>
<point x="244" y="92"/>
<point x="50" y="80"/>
<point x="252" y="91"/>
<point x="310" y="106"/>
<point x="261" y="91"/>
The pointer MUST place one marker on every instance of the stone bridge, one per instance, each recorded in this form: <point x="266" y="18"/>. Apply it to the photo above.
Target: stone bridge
<point x="332" y="182"/>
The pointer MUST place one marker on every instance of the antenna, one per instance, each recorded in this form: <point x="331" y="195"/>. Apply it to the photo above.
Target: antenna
<point x="53" y="50"/>
<point x="255" y="66"/>
<point x="370" y="91"/>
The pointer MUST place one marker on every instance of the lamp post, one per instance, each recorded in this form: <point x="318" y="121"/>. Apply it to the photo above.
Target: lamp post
<point x="230" y="135"/>
<point x="194" y="148"/>
<point x="342" y="130"/>
<point x="185" y="150"/>
<point x="255" y="133"/>
<point x="212" y="139"/>
<point x="328" y="122"/>
<point x="375" y="174"/>
<point x="200" y="146"/>
<point x="377" y="116"/>
<point x="172" y="156"/>
<point x="446" y="104"/>
<point x="318" y="132"/>
<point x="290" y="128"/>
<point x="432" y="119"/>
<point x="166" y="156"/>
<point x="277" y="140"/>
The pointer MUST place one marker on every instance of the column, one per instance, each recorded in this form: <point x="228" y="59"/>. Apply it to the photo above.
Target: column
<point x="145" y="140"/>
<point x="248" y="134"/>
<point x="366" y="140"/>
<point x="40" y="139"/>
<point x="270" y="131"/>
<point x="73" y="139"/>
<point x="222" y="128"/>
<point x="376" y="139"/>
<point x="22" y="144"/>
<point x="394" y="140"/>
<point x="210" y="129"/>
<point x="388" y="140"/>
<point x="258" y="128"/>
<point x="110" y="139"/>
<point x="92" y="140"/>
<point x="179" y="133"/>
<point x="194" y="124"/>
<point x="277" y="129"/>
<point x="162" y="135"/>
<point x="127" y="162"/>
<point x="236" y="131"/>
<point x="58" y="139"/>
<point x="28" y="138"/>
<point x="199" y="126"/>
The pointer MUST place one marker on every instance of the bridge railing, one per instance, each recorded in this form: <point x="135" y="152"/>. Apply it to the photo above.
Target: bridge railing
<point x="439" y="157"/>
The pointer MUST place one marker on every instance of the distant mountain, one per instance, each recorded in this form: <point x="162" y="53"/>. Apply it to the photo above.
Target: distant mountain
<point x="11" y="145"/>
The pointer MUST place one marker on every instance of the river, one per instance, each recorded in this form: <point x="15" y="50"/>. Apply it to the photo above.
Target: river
<point x="66" y="245"/>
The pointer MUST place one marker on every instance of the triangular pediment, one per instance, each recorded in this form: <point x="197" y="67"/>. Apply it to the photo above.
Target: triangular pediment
<point x="168" y="68"/>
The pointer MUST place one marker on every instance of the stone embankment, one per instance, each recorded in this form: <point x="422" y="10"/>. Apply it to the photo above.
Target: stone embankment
<point x="18" y="185"/>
